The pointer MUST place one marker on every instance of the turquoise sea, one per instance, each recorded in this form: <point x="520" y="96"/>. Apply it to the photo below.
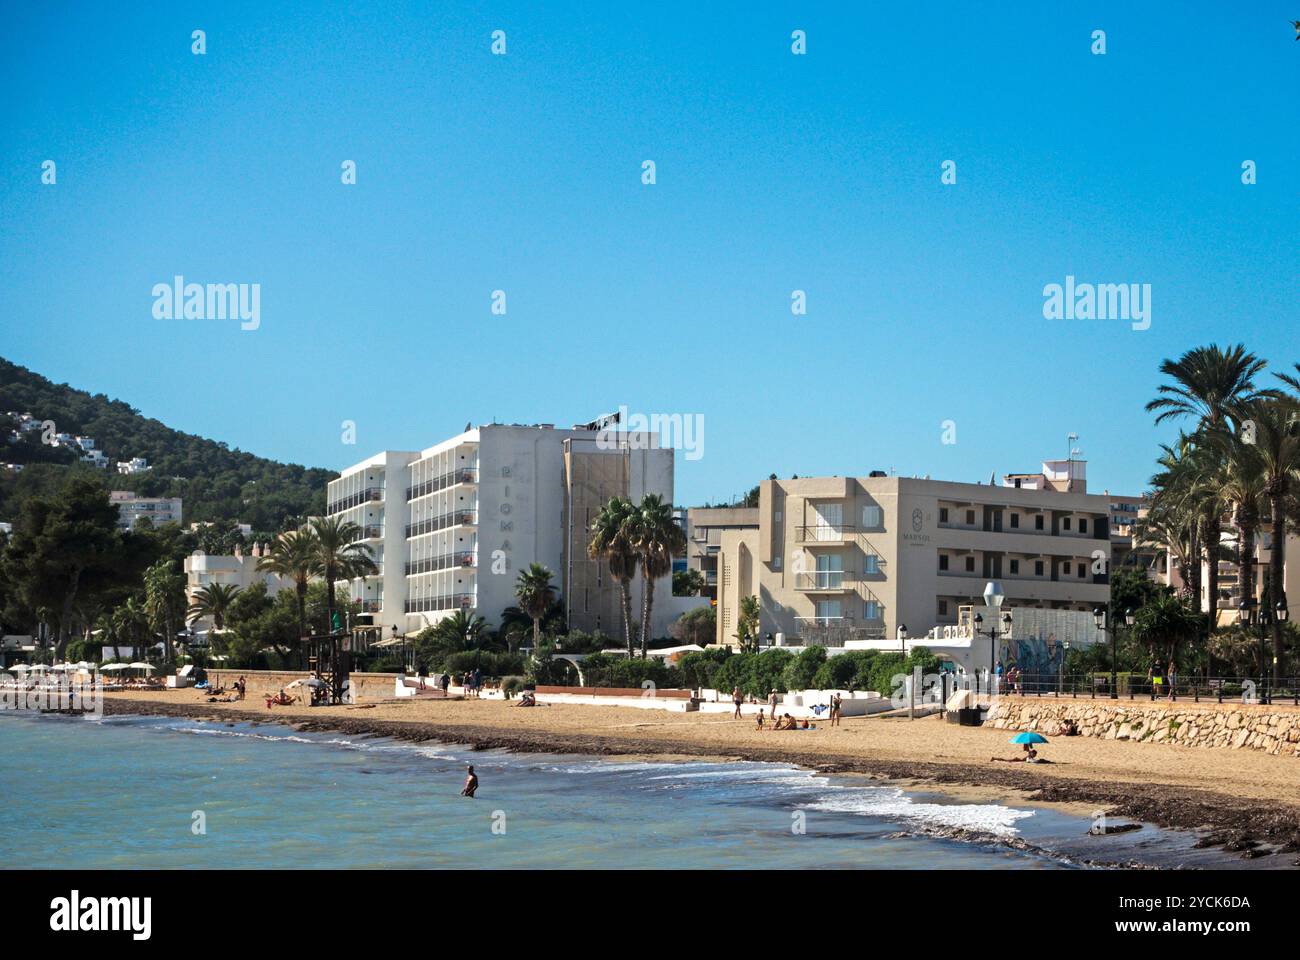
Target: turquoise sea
<point x="132" y="792"/>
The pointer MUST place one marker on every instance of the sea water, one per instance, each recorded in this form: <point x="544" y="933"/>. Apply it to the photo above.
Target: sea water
<point x="150" y="792"/>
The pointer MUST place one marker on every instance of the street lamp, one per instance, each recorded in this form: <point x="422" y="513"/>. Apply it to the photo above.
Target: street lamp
<point x="1100" y="619"/>
<point x="993" y="597"/>
<point x="902" y="637"/>
<point x="1060" y="669"/>
<point x="1248" y="614"/>
<point x="1279" y="617"/>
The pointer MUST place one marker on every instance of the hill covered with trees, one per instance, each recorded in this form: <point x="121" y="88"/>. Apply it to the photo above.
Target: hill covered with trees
<point x="215" y="482"/>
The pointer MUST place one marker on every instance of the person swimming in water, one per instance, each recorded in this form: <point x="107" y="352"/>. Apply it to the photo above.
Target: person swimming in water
<point x="471" y="783"/>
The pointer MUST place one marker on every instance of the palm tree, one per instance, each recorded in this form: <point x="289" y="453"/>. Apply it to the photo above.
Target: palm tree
<point x="213" y="601"/>
<point x="1242" y="486"/>
<point x="535" y="594"/>
<point x="1211" y="385"/>
<point x="130" y="624"/>
<point x="1276" y="430"/>
<point x="609" y="542"/>
<point x="656" y="538"/>
<point x="165" y="602"/>
<point x="339" y="556"/>
<point x="293" y="556"/>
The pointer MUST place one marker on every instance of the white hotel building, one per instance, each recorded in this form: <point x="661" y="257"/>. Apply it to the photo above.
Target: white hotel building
<point x="451" y="526"/>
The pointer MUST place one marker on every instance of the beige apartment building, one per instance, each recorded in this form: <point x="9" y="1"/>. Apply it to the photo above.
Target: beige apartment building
<point x="704" y="529"/>
<point x="852" y="558"/>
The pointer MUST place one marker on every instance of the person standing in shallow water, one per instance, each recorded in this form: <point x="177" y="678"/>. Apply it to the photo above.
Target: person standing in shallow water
<point x="471" y="783"/>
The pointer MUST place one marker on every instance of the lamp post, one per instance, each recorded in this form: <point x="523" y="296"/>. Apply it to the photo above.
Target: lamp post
<point x="993" y="597"/>
<point x="1252" y="616"/>
<point x="902" y="638"/>
<point x="1060" y="668"/>
<point x="1101" y="618"/>
<point x="1280" y="614"/>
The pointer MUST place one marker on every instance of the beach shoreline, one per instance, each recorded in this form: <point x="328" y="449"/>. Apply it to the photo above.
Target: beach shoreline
<point x="1238" y="823"/>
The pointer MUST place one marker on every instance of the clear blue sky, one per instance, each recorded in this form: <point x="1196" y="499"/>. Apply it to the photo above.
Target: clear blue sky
<point x="775" y="173"/>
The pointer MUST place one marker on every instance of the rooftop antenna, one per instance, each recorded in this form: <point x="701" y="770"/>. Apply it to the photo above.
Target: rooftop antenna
<point x="1069" y="462"/>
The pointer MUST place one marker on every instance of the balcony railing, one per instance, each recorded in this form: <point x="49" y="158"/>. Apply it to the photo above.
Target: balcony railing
<point x="825" y="580"/>
<point x="446" y="601"/>
<point x="442" y="482"/>
<point x="824" y="621"/>
<point x="454" y="518"/>
<point x="355" y="500"/>
<point x="371" y="606"/>
<point x="825" y="533"/>
<point x="444" y="561"/>
<point x="372" y="531"/>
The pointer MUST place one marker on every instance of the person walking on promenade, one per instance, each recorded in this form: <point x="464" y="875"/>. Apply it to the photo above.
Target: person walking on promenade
<point x="737" y="698"/>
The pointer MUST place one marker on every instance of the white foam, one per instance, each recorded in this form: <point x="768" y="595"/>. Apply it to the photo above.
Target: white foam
<point x="896" y="805"/>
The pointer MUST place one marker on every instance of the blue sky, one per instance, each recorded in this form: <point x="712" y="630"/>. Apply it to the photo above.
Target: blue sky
<point x="775" y="172"/>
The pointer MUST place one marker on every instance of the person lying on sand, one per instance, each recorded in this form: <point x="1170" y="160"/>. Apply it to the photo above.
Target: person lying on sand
<point x="282" y="699"/>
<point x="223" y="699"/>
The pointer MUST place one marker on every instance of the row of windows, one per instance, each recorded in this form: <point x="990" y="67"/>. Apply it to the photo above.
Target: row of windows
<point x="1068" y="569"/>
<point x="1014" y="520"/>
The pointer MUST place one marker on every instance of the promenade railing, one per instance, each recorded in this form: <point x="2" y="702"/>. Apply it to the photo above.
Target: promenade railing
<point x="1132" y="686"/>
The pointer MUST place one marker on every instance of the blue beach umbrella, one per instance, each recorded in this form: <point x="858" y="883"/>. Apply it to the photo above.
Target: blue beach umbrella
<point x="1028" y="738"/>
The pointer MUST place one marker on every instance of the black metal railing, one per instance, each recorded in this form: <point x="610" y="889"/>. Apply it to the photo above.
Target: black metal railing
<point x="446" y="601"/>
<point x="453" y="518"/>
<point x="444" y="561"/>
<point x="442" y="482"/>
<point x="355" y="500"/>
<point x="1132" y="686"/>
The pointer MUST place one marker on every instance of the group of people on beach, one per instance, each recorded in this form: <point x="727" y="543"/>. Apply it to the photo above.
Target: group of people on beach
<point x="787" y="722"/>
<point x="216" y="693"/>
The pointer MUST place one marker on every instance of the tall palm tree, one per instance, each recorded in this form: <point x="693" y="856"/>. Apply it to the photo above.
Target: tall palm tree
<point x="130" y="624"/>
<point x="1276" y="429"/>
<point x="339" y="556"/>
<point x="165" y="602"/>
<point x="610" y="542"/>
<point x="293" y="557"/>
<point x="656" y="538"/>
<point x="1211" y="385"/>
<point x="535" y="593"/>
<point x="1242" y="486"/>
<point x="212" y="601"/>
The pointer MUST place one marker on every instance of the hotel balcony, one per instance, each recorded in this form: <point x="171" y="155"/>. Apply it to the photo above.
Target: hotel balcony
<point x="446" y="561"/>
<point x="446" y="601"/>
<point x="825" y="533"/>
<point x="454" y="518"/>
<point x="461" y="475"/>
<point x="826" y="581"/>
<point x="371" y="606"/>
<point x="372" y="531"/>
<point x="370" y="494"/>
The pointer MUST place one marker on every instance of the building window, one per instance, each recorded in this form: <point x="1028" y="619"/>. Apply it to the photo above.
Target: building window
<point x="872" y="565"/>
<point x="1083" y="525"/>
<point x="970" y="518"/>
<point x="1067" y="568"/>
<point x="970" y="564"/>
<point x="943" y="514"/>
<point x="873" y="610"/>
<point x="1083" y="570"/>
<point x="943" y="561"/>
<point x="776" y="563"/>
<point x="1065" y="523"/>
<point x="1038" y="522"/>
<point x="1038" y="568"/>
<point x="943" y="608"/>
<point x="1015" y="566"/>
<point x="871" y="517"/>
<point x="1015" y="521"/>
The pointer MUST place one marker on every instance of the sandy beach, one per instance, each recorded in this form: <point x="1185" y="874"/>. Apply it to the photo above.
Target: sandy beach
<point x="1242" y="798"/>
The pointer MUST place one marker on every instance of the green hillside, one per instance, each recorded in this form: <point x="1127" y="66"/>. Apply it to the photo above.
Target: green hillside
<point x="215" y="482"/>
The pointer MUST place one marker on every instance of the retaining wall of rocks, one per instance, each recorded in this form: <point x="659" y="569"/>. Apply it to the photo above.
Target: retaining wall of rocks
<point x="1235" y="726"/>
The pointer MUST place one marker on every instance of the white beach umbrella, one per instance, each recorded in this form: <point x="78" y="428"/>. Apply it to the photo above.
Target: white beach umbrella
<point x="141" y="665"/>
<point x="38" y="668"/>
<point x="19" y="668"/>
<point x="112" y="667"/>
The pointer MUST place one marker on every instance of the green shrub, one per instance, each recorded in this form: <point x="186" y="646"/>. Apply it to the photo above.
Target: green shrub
<point x="511" y="686"/>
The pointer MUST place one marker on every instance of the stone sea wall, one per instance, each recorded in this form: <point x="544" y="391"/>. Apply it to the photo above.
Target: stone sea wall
<point x="1233" y="726"/>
